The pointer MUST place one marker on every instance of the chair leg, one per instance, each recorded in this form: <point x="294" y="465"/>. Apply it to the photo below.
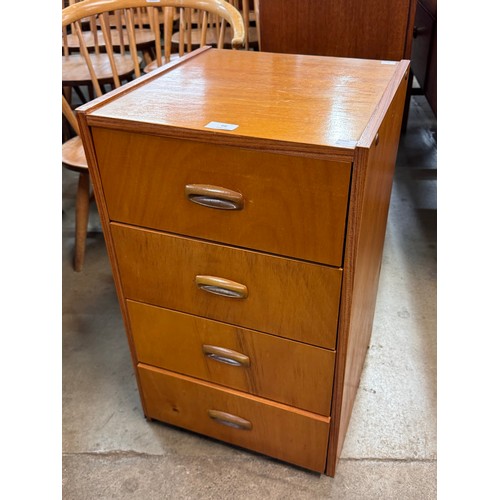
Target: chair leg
<point x="81" y="219"/>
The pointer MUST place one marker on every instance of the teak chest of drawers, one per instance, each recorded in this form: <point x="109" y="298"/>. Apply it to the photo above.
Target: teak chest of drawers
<point x="246" y="254"/>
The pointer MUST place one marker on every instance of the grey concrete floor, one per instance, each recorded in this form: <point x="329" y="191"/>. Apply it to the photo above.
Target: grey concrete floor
<point x="111" y="451"/>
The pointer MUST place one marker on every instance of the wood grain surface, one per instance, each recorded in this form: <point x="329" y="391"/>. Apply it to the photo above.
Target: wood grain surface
<point x="282" y="370"/>
<point x="161" y="269"/>
<point x="277" y="430"/>
<point x="76" y="72"/>
<point x="292" y="206"/>
<point x="302" y="101"/>
<point x="345" y="28"/>
<point x="370" y="198"/>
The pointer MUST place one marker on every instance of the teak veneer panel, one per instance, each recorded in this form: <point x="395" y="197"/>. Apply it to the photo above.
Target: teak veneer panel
<point x="372" y="185"/>
<point x="290" y="372"/>
<point x="277" y="430"/>
<point x="305" y="102"/>
<point x="160" y="269"/>
<point x="292" y="206"/>
<point x="344" y="28"/>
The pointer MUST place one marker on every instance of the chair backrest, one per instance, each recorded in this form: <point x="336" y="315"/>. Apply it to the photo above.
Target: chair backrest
<point x="112" y="28"/>
<point x="250" y="18"/>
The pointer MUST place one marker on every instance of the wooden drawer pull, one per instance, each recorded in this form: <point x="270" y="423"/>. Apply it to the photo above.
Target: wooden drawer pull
<point x="227" y="356"/>
<point x="230" y="420"/>
<point x="222" y="286"/>
<point x="214" y="197"/>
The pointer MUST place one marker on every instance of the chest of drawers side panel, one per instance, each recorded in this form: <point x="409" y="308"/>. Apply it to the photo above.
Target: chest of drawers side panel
<point x="99" y="195"/>
<point x="370" y="197"/>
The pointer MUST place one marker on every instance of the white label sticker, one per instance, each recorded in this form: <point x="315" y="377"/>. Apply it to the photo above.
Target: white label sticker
<point x="221" y="126"/>
<point x="388" y="62"/>
<point x="152" y="1"/>
<point x="345" y="143"/>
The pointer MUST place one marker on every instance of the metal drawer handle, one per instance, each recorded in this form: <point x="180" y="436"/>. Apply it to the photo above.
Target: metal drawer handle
<point x="214" y="197"/>
<point x="227" y="356"/>
<point x="224" y="418"/>
<point x="222" y="287"/>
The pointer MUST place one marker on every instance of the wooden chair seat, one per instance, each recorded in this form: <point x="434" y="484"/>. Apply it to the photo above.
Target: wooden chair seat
<point x="141" y="18"/>
<point x="88" y="37"/>
<point x="73" y="155"/>
<point x="75" y="70"/>
<point x="154" y="64"/>
<point x="143" y="36"/>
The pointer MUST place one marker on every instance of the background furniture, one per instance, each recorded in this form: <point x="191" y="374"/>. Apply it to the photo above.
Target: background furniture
<point x="249" y="11"/>
<point x="346" y="28"/>
<point x="245" y="226"/>
<point x="122" y="22"/>
<point x="424" y="51"/>
<point x="357" y="28"/>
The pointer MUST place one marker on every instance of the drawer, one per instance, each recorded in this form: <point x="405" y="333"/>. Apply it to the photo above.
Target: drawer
<point x="290" y="206"/>
<point x="289" y="298"/>
<point x="274" y="429"/>
<point x="290" y="372"/>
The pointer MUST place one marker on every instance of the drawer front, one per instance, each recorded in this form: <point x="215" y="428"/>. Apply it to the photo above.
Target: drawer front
<point x="282" y="370"/>
<point x="292" y="299"/>
<point x="273" y="429"/>
<point x="289" y="205"/>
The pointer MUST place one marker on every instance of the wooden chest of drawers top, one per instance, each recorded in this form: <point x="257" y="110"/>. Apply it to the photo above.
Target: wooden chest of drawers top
<point x="302" y="104"/>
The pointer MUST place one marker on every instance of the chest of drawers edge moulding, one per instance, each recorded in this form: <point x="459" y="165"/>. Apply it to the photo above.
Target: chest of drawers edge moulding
<point x="373" y="160"/>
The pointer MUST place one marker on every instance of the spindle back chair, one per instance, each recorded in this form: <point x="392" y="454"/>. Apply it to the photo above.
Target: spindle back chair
<point x="112" y="25"/>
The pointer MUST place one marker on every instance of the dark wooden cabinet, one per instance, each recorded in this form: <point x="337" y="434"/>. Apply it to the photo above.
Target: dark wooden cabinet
<point x="368" y="29"/>
<point x="424" y="50"/>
